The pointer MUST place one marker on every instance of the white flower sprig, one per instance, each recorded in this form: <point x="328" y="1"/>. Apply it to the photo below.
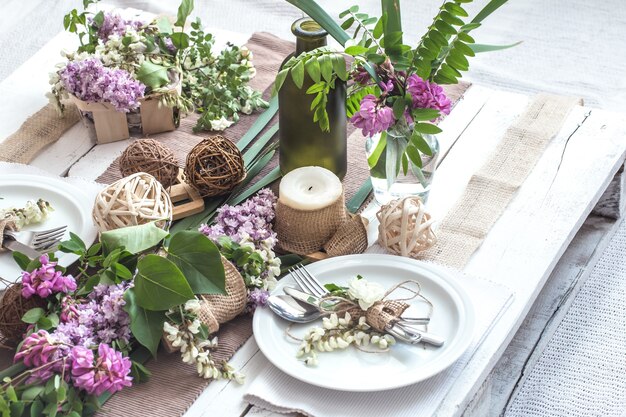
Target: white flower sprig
<point x="339" y="333"/>
<point x="187" y="333"/>
<point x="32" y="212"/>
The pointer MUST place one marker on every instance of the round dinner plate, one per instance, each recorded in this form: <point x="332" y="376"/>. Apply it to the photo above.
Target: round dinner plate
<point x="72" y="208"/>
<point x="404" y="364"/>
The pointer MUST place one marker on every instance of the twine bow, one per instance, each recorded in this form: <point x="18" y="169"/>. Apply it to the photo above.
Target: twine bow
<point x="382" y="314"/>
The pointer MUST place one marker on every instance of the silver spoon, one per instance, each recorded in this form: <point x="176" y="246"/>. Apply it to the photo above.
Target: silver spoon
<point x="288" y="308"/>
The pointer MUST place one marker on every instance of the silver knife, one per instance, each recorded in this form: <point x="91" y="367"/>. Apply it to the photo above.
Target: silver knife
<point x="15" y="246"/>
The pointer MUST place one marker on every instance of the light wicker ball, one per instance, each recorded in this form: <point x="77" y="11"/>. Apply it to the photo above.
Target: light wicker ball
<point x="148" y="155"/>
<point x="133" y="200"/>
<point x="405" y="227"/>
<point x="214" y="166"/>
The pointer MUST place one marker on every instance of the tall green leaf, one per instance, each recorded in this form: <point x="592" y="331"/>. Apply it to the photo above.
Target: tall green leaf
<point x="146" y="325"/>
<point x="491" y="7"/>
<point x="478" y="48"/>
<point x="199" y="260"/>
<point x="392" y="23"/>
<point x="184" y="10"/>
<point x="317" y="13"/>
<point x="159" y="284"/>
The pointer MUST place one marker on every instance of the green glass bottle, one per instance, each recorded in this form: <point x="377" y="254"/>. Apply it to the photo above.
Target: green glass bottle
<point x="302" y="142"/>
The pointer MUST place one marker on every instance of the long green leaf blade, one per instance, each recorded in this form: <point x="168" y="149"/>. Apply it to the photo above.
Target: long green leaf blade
<point x="260" y="123"/>
<point x="359" y="198"/>
<point x="478" y="48"/>
<point x="491" y="7"/>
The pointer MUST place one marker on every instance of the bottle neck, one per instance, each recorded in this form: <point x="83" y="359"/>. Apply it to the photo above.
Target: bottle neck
<point x="309" y="35"/>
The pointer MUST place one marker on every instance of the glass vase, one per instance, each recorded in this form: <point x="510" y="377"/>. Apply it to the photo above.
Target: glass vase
<point x="389" y="179"/>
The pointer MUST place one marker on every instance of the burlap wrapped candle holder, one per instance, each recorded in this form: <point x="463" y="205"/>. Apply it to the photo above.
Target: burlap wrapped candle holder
<point x="306" y="231"/>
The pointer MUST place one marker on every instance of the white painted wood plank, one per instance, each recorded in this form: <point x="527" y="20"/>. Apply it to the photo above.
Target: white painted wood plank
<point x="525" y="244"/>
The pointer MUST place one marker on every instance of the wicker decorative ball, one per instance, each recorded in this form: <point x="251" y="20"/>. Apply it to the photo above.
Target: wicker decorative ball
<point x="405" y="227"/>
<point x="12" y="309"/>
<point x="133" y="200"/>
<point x="214" y="166"/>
<point x="148" y="155"/>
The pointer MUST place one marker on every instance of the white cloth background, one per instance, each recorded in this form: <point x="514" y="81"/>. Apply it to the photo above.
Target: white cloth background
<point x="571" y="47"/>
<point x="276" y="391"/>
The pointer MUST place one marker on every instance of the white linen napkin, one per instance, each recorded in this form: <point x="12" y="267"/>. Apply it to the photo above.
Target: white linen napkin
<point x="278" y="392"/>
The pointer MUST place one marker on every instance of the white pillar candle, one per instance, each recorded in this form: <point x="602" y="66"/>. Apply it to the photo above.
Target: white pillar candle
<point x="309" y="188"/>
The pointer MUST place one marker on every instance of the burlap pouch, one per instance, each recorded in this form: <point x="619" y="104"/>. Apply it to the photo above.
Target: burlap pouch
<point x="351" y="238"/>
<point x="306" y="231"/>
<point x="218" y="309"/>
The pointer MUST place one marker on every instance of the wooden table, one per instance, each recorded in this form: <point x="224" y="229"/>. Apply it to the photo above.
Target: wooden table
<point x="521" y="251"/>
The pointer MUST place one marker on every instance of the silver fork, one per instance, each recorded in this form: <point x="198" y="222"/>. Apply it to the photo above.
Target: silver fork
<point x="39" y="240"/>
<point x="401" y="330"/>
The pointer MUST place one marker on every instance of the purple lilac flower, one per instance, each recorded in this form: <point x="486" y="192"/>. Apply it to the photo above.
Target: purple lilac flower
<point x="427" y="95"/>
<point x="45" y="280"/>
<point x="360" y="76"/>
<point x="41" y="349"/>
<point x="372" y="118"/>
<point x="91" y="81"/>
<point x="169" y="45"/>
<point x="100" y="319"/>
<point x="253" y="218"/>
<point x="387" y="87"/>
<point x="258" y="297"/>
<point x="114" y="24"/>
<point x="109" y="372"/>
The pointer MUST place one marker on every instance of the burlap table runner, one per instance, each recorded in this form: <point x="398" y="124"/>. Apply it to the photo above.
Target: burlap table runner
<point x="492" y="187"/>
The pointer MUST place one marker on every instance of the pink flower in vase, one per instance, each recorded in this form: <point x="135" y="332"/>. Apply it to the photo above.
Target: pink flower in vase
<point x="427" y="95"/>
<point x="372" y="118"/>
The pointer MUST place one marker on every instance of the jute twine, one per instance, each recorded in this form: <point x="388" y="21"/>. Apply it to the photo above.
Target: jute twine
<point x="214" y="166"/>
<point x="150" y="156"/>
<point x="405" y="227"/>
<point x="38" y="131"/>
<point x="306" y="231"/>
<point x="133" y="200"/>
<point x="350" y="238"/>
<point x="6" y="224"/>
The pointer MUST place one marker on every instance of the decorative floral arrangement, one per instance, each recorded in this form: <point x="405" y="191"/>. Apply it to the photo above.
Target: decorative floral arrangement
<point x="396" y="87"/>
<point x="87" y="338"/>
<point x="355" y="320"/>
<point x="121" y="61"/>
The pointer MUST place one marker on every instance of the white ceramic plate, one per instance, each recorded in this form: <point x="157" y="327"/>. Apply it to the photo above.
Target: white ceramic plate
<point x="72" y="208"/>
<point x="352" y="370"/>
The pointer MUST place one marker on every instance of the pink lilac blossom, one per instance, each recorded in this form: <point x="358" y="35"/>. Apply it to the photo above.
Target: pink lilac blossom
<point x="109" y="372"/>
<point x="373" y="118"/>
<point x="258" y="297"/>
<point x="91" y="81"/>
<point x="252" y="218"/>
<point x="427" y="95"/>
<point x="99" y="319"/>
<point x="114" y="24"/>
<point x="45" y="280"/>
<point x="41" y="349"/>
<point x="360" y="76"/>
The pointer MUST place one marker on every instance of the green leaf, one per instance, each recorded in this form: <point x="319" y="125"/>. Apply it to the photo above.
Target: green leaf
<point x="180" y="40"/>
<point x="139" y="372"/>
<point x="398" y="107"/>
<point x="465" y="37"/>
<point x="339" y="66"/>
<point x="146" y="325"/>
<point x="438" y="38"/>
<point x="164" y="25"/>
<point x="378" y="29"/>
<point x="491" y="7"/>
<point x="414" y="155"/>
<point x="455" y="9"/>
<point x="346" y="25"/>
<point x="421" y="115"/>
<point x="280" y="80"/>
<point x="297" y="73"/>
<point x="420" y="143"/>
<point x="405" y="164"/>
<point x="445" y="28"/>
<point x="184" y="10"/>
<point x="312" y="67"/>
<point x="30" y="393"/>
<point x="451" y="20"/>
<point x="159" y="284"/>
<point x="21" y="260"/>
<point x="427" y="128"/>
<point x="372" y="160"/>
<point x="326" y="66"/>
<point x="36" y="408"/>
<point x="478" y="48"/>
<point x="199" y="260"/>
<point x="74" y="245"/>
<point x="152" y="75"/>
<point x="463" y="48"/>
<point x="33" y="315"/>
<point x="134" y="239"/>
<point x="357" y="199"/>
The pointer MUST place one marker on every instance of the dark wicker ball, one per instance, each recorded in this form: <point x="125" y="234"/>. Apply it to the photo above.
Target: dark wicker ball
<point x="214" y="166"/>
<point x="148" y="155"/>
<point x="12" y="309"/>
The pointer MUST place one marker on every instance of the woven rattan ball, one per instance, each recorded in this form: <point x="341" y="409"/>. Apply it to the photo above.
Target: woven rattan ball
<point x="133" y="200"/>
<point x="214" y="166"/>
<point x="12" y="309"/>
<point x="148" y="155"/>
<point x="405" y="228"/>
